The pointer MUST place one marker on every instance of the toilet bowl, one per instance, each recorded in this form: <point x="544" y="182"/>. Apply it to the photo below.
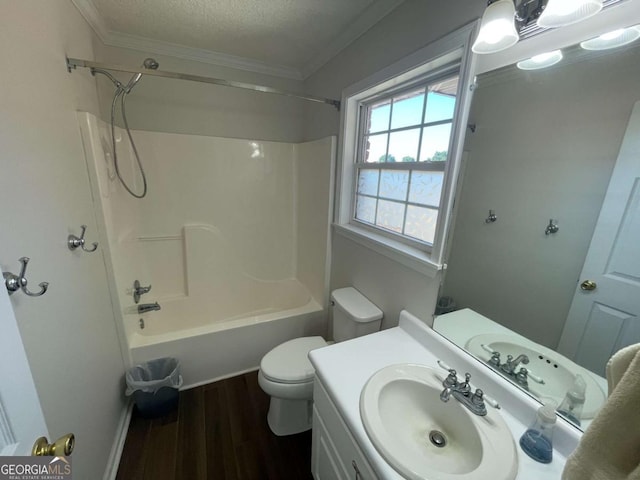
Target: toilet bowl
<point x="286" y="374"/>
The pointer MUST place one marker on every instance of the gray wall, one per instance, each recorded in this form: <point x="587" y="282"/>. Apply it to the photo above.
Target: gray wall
<point x="413" y="25"/>
<point x="69" y="334"/>
<point x="165" y="105"/>
<point x="545" y="145"/>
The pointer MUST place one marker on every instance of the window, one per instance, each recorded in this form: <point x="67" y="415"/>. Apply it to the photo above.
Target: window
<point x="404" y="142"/>
<point x="400" y="150"/>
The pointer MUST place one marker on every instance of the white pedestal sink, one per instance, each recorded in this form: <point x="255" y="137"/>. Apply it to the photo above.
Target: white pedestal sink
<point x="424" y="438"/>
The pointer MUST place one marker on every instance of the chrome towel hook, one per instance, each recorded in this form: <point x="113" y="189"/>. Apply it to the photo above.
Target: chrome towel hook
<point x="74" y="242"/>
<point x="19" y="282"/>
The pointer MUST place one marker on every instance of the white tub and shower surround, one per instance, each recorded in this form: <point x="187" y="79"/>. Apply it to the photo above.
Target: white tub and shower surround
<point x="232" y="236"/>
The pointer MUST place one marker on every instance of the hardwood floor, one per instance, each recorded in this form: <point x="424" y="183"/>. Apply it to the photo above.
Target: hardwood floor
<point x="219" y="432"/>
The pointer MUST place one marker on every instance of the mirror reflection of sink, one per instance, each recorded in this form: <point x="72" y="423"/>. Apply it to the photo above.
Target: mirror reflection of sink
<point x="423" y="437"/>
<point x="558" y="372"/>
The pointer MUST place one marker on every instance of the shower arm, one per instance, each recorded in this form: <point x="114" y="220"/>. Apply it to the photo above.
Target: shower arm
<point x="73" y="63"/>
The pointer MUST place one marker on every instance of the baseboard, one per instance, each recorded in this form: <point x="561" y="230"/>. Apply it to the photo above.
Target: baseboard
<point x="118" y="445"/>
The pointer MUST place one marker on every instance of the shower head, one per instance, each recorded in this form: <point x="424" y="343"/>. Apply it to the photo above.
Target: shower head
<point x="150" y="64"/>
<point x="132" y="83"/>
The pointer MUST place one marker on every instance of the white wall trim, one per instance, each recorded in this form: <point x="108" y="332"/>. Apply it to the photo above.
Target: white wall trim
<point x="372" y="15"/>
<point x="118" y="445"/>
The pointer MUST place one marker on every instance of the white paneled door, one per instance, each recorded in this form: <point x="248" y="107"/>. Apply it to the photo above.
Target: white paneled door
<point x="21" y="418"/>
<point x="605" y="313"/>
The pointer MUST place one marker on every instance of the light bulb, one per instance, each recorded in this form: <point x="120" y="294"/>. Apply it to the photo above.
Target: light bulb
<point x="542" y="60"/>
<point x="617" y="38"/>
<point x="498" y="30"/>
<point x="559" y="13"/>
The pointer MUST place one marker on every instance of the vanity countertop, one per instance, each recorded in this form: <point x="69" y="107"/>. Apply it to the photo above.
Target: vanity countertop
<point x="344" y="369"/>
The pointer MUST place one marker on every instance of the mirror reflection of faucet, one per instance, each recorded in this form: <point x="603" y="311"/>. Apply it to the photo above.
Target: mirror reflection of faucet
<point x="510" y="367"/>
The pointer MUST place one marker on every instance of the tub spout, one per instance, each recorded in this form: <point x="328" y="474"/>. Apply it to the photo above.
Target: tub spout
<point x="148" y="307"/>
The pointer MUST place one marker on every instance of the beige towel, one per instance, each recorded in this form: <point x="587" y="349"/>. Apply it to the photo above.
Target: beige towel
<point x="619" y="363"/>
<point x="610" y="447"/>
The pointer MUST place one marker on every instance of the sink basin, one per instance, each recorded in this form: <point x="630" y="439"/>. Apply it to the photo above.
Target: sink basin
<point x="557" y="371"/>
<point x="423" y="437"/>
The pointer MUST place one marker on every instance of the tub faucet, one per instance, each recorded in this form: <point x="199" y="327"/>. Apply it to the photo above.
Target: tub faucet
<point x="148" y="307"/>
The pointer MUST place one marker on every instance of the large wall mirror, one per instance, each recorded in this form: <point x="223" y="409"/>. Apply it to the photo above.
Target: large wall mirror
<point x="540" y="154"/>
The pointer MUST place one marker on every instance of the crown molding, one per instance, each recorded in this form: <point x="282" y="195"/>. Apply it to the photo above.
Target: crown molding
<point x="372" y="15"/>
<point x="88" y="10"/>
<point x="135" y="42"/>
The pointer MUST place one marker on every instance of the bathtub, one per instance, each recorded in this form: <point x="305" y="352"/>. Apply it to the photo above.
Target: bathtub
<point x="213" y="344"/>
<point x="233" y="238"/>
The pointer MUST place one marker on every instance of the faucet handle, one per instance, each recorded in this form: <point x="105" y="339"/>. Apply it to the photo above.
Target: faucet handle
<point x="139" y="290"/>
<point x="478" y="397"/>
<point x="495" y="359"/>
<point x="451" y="380"/>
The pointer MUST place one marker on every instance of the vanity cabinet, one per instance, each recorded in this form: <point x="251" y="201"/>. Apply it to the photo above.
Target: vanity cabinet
<point x="335" y="454"/>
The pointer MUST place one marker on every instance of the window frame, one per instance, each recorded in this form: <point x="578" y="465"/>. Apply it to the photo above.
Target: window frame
<point x="409" y="72"/>
<point x="447" y="71"/>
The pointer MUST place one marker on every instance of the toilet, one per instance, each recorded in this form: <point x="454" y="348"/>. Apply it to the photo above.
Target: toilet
<point x="286" y="374"/>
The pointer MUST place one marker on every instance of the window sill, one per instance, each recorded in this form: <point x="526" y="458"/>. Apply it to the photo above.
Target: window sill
<point x="397" y="251"/>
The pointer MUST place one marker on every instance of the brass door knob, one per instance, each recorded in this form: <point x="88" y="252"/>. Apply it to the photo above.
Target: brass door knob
<point x="62" y="447"/>
<point x="588" y="285"/>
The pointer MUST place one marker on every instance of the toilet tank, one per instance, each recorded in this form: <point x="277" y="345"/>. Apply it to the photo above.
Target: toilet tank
<point x="353" y="314"/>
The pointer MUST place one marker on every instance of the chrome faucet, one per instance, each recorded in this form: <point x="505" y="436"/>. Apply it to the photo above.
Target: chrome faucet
<point x="461" y="391"/>
<point x="148" y="307"/>
<point x="509" y="367"/>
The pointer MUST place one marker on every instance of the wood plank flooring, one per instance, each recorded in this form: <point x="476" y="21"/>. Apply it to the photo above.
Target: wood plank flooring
<point x="219" y="432"/>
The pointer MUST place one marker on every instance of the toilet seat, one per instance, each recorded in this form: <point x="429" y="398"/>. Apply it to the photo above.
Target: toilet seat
<point x="289" y="362"/>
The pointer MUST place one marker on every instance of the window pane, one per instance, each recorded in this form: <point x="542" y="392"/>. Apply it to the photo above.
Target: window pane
<point x="439" y="107"/>
<point x="379" y="117"/>
<point x="394" y="184"/>
<point x="441" y="100"/>
<point x="390" y="215"/>
<point x="375" y="148"/>
<point x="407" y="109"/>
<point x="421" y="223"/>
<point x="403" y="146"/>
<point x="368" y="181"/>
<point x="426" y="188"/>
<point x="365" y="209"/>
<point x="435" y="143"/>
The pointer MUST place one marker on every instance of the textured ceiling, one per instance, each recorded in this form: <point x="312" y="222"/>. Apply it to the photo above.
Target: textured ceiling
<point x="280" y="32"/>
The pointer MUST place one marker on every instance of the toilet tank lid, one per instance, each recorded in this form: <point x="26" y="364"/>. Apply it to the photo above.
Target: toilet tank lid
<point x="289" y="361"/>
<point x="357" y="305"/>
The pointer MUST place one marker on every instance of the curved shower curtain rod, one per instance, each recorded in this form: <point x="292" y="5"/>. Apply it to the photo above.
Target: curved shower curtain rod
<point x="73" y="63"/>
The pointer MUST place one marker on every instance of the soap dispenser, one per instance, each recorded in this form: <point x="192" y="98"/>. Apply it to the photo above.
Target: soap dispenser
<point x="537" y="441"/>
<point x="571" y="406"/>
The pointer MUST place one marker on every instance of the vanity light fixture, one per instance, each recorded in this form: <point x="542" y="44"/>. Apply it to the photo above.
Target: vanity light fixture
<point x="559" y="13"/>
<point x="617" y="38"/>
<point x="497" y="30"/>
<point x="543" y="60"/>
<point x="504" y="19"/>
